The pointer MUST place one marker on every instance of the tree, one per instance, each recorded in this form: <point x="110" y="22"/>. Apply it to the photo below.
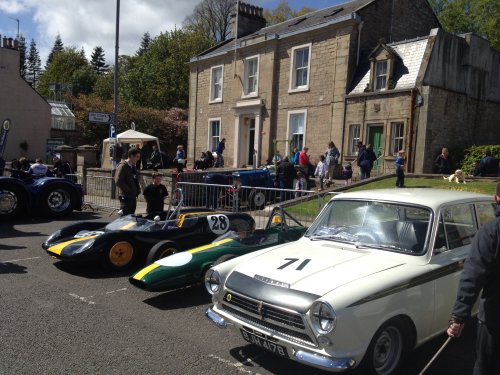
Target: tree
<point x="160" y="77"/>
<point x="213" y="18"/>
<point x="97" y="61"/>
<point x="282" y="12"/>
<point x="58" y="47"/>
<point x="464" y="16"/>
<point x="22" y="57"/>
<point x="34" y="65"/>
<point x="68" y="67"/>
<point x="145" y="42"/>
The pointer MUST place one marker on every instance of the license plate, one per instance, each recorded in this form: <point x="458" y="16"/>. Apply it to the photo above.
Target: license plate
<point x="263" y="343"/>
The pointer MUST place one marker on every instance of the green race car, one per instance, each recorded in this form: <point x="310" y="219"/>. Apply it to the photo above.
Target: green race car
<point x="189" y="267"/>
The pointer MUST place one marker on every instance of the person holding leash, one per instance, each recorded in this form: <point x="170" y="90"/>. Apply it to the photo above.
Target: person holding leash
<point x="482" y="272"/>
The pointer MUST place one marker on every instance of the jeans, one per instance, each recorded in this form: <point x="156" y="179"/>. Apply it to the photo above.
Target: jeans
<point x="128" y="205"/>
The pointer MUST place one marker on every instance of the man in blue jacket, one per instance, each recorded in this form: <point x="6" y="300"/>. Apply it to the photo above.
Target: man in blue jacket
<point x="482" y="272"/>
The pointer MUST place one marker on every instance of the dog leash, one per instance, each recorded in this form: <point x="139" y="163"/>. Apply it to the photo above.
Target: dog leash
<point x="435" y="356"/>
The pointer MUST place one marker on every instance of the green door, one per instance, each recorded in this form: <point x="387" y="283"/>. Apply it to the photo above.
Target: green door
<point x="376" y="139"/>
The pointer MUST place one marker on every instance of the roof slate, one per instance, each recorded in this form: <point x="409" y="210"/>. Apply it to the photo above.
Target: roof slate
<point x="411" y="54"/>
<point x="318" y="18"/>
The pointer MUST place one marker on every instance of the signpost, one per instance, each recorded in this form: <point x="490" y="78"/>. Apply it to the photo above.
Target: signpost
<point x="101" y="117"/>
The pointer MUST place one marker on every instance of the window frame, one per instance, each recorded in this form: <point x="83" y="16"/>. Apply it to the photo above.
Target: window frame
<point x="353" y="141"/>
<point x="394" y="138"/>
<point x="211" y="99"/>
<point x="246" y="93"/>
<point x="289" y="129"/>
<point x="385" y="75"/>
<point x="293" y="68"/>
<point x="211" y="136"/>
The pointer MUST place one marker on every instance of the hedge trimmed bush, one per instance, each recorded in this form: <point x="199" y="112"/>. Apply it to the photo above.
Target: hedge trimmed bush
<point x="476" y="153"/>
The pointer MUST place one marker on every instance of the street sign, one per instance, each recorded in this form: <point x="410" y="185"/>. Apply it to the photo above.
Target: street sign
<point x="112" y="132"/>
<point x="101" y="117"/>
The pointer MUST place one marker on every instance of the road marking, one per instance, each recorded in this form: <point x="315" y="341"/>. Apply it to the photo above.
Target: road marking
<point x="83" y="299"/>
<point x="237" y="365"/>
<point x="20" y="260"/>
<point x="117" y="290"/>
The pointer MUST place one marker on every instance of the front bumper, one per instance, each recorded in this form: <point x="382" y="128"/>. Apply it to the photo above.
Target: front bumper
<point x="302" y="355"/>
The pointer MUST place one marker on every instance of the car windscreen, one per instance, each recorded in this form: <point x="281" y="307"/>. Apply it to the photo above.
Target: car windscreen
<point x="373" y="224"/>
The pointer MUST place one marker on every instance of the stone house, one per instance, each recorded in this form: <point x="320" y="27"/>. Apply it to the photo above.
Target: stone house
<point x="373" y="70"/>
<point x="29" y="113"/>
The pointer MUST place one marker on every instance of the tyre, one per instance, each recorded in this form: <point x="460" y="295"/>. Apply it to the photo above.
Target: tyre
<point x="224" y="258"/>
<point x="119" y="255"/>
<point x="57" y="200"/>
<point x="12" y="201"/>
<point x="161" y="250"/>
<point x="388" y="349"/>
<point x="257" y="200"/>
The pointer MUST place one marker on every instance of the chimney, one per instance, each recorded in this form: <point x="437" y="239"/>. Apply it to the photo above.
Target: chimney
<point x="250" y="19"/>
<point x="10" y="43"/>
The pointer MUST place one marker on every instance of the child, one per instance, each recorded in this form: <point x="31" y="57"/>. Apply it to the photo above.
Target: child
<point x="347" y="173"/>
<point x="155" y="194"/>
<point x="300" y="184"/>
<point x="321" y="171"/>
<point x="400" y="174"/>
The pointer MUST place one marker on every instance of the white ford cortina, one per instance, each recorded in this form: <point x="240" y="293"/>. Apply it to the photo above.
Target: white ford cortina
<point x="375" y="275"/>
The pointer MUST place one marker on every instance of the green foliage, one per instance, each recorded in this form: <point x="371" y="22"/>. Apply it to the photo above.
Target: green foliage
<point x="97" y="61"/>
<point x="211" y="18"/>
<point x="70" y="67"/>
<point x="481" y="17"/>
<point x="34" y="63"/>
<point x="145" y="42"/>
<point x="104" y="86"/>
<point x="282" y="12"/>
<point x="476" y="153"/>
<point x="22" y="57"/>
<point x="160" y="78"/>
<point x="58" y="47"/>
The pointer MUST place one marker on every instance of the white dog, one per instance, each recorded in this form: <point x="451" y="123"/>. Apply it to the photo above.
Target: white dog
<point x="457" y="177"/>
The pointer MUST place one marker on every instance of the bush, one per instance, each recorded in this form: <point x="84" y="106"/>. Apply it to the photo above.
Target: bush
<point x="476" y="153"/>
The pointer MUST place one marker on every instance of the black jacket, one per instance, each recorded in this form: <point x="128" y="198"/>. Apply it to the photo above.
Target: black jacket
<point x="482" y="271"/>
<point x="127" y="180"/>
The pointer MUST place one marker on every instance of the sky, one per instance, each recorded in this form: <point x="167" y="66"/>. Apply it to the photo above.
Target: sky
<point x="90" y="23"/>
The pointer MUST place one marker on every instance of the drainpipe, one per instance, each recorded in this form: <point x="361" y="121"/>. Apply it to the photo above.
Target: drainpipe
<point x="360" y="27"/>
<point x="411" y="160"/>
<point x="195" y="113"/>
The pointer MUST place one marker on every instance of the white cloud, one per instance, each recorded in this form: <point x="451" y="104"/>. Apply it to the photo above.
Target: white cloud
<point x="91" y="23"/>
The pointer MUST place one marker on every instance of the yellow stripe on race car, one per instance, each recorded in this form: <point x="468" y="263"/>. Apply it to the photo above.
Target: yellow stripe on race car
<point x="213" y="244"/>
<point x="128" y="225"/>
<point x="139" y="275"/>
<point x="181" y="218"/>
<point x="57" y="249"/>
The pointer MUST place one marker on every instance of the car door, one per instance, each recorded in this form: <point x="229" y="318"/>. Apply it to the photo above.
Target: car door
<point x="456" y="228"/>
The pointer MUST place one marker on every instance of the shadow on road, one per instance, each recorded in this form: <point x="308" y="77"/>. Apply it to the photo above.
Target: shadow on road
<point x="10" y="247"/>
<point x="180" y="298"/>
<point x="90" y="270"/>
<point x="8" y="267"/>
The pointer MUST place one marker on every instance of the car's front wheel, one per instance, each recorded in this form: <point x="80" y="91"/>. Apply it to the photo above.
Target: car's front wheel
<point x="57" y="200"/>
<point x="387" y="350"/>
<point x="161" y="250"/>
<point x="257" y="200"/>
<point x="119" y="255"/>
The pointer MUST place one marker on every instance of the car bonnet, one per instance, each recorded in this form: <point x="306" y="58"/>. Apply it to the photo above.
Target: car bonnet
<point x="316" y="269"/>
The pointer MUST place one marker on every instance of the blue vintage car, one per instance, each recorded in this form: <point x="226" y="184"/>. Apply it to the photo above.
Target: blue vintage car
<point x="50" y="196"/>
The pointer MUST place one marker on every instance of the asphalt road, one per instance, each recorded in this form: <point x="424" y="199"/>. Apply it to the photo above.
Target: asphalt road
<point x="60" y="318"/>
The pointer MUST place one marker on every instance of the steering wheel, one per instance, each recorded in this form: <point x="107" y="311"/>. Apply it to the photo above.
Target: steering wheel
<point x="367" y="237"/>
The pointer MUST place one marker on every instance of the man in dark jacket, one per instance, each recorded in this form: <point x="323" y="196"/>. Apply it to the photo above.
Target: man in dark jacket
<point x="127" y="180"/>
<point x="488" y="166"/>
<point x="285" y="174"/>
<point x="482" y="272"/>
<point x="443" y="163"/>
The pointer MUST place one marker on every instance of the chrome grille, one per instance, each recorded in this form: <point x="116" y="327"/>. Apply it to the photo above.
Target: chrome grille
<point x="288" y="323"/>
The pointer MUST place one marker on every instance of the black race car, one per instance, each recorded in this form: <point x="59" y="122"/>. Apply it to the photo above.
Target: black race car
<point x="130" y="238"/>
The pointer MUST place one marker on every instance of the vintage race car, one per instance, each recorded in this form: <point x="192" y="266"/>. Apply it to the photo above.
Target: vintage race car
<point x="189" y="267"/>
<point x="129" y="238"/>
<point x="375" y="275"/>
<point x="50" y="196"/>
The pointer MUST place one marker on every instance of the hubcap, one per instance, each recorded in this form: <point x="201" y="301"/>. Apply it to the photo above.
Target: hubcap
<point x="8" y="202"/>
<point x="259" y="199"/>
<point x="387" y="350"/>
<point x="121" y="254"/>
<point x="58" y="200"/>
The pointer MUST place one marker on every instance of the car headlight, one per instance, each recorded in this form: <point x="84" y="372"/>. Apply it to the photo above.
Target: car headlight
<point x="87" y="245"/>
<point x="212" y="281"/>
<point x="54" y="236"/>
<point x="323" y="317"/>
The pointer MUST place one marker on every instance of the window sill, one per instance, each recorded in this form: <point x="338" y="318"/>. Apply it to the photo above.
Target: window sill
<point x="298" y="89"/>
<point x="250" y="96"/>
<point x="215" y="101"/>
